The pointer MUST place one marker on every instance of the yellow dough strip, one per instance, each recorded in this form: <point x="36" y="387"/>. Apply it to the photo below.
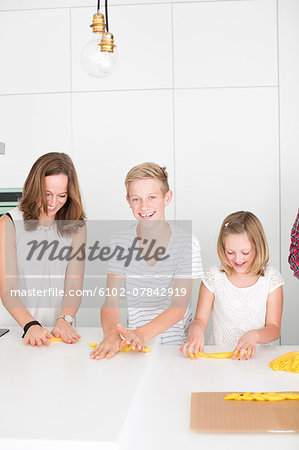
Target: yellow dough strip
<point x="127" y="348"/>
<point x="54" y="339"/>
<point x="221" y="355"/>
<point x="263" y="396"/>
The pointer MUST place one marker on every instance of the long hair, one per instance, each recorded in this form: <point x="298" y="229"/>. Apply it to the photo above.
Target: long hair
<point x="245" y="222"/>
<point x="34" y="198"/>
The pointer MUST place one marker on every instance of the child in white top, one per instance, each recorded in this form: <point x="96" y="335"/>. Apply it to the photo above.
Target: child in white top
<point x="244" y="294"/>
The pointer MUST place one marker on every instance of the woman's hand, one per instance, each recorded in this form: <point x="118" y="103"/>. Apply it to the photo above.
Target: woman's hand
<point x="246" y="345"/>
<point x="195" y="341"/>
<point x="135" y="338"/>
<point x="65" y="331"/>
<point x="107" y="348"/>
<point x="37" y="335"/>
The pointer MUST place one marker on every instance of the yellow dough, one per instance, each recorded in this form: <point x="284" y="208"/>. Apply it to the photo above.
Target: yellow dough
<point x="289" y="362"/>
<point x="54" y="339"/>
<point x="221" y="355"/>
<point x="127" y="348"/>
<point x="263" y="396"/>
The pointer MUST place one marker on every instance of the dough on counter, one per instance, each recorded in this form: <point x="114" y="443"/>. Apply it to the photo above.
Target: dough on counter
<point x="289" y="362"/>
<point x="221" y="355"/>
<point x="263" y="396"/>
<point x="127" y="348"/>
<point x="54" y="339"/>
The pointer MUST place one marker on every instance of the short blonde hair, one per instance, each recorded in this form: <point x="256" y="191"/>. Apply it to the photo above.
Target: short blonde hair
<point x="244" y="222"/>
<point x="148" y="170"/>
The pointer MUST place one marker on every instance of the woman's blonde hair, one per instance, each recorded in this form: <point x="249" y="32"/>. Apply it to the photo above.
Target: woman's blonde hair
<point x="34" y="198"/>
<point x="244" y="222"/>
<point x="148" y="170"/>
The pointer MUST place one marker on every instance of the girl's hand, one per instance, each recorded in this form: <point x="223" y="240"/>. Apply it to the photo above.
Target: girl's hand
<point x="246" y="345"/>
<point x="65" y="331"/>
<point x="37" y="335"/>
<point x="107" y="348"/>
<point x="134" y="338"/>
<point x="195" y="341"/>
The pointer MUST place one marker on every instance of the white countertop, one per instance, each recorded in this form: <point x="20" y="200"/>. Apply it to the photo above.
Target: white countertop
<point x="58" y="396"/>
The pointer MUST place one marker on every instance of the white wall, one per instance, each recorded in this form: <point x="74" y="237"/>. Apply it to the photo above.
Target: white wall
<point x="208" y="88"/>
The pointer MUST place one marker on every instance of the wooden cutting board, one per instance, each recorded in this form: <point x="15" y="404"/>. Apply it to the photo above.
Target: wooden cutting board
<point x="211" y="413"/>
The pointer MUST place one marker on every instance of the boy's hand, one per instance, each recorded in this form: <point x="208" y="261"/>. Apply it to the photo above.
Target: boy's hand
<point x="134" y="338"/>
<point x="107" y="348"/>
<point x="65" y="331"/>
<point x="195" y="341"/>
<point x="246" y="345"/>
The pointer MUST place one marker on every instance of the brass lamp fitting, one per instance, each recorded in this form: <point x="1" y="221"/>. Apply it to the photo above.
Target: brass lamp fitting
<point x="107" y="43"/>
<point x="98" y="23"/>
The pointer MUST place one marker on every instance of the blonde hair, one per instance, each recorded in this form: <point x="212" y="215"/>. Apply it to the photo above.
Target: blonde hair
<point x="244" y="222"/>
<point x="148" y="170"/>
<point x="33" y="196"/>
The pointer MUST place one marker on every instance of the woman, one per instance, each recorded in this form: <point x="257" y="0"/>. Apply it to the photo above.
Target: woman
<point x="40" y="275"/>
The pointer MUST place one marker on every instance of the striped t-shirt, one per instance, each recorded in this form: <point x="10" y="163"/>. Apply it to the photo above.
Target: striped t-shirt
<point x="149" y="289"/>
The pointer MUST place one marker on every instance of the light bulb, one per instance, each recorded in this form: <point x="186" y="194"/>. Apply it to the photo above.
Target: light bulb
<point x="91" y="58"/>
<point x="99" y="56"/>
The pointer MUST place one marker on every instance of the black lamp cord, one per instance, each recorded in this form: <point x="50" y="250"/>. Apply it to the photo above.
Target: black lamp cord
<point x="106" y="13"/>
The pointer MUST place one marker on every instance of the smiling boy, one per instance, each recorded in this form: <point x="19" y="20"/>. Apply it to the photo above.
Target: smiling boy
<point x="157" y="289"/>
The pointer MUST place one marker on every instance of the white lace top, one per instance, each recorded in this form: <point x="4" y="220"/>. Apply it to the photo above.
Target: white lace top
<point x="238" y="310"/>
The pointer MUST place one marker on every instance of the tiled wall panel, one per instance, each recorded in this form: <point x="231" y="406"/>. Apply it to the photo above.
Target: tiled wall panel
<point x="112" y="132"/>
<point x="225" y="44"/>
<point x="31" y="125"/>
<point x="34" y="51"/>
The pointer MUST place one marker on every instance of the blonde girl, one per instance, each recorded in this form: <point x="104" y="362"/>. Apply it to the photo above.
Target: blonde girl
<point x="244" y="294"/>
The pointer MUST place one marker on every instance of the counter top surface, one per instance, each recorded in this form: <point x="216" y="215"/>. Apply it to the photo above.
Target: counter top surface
<point x="133" y="401"/>
<point x="164" y="398"/>
<point x="58" y="392"/>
